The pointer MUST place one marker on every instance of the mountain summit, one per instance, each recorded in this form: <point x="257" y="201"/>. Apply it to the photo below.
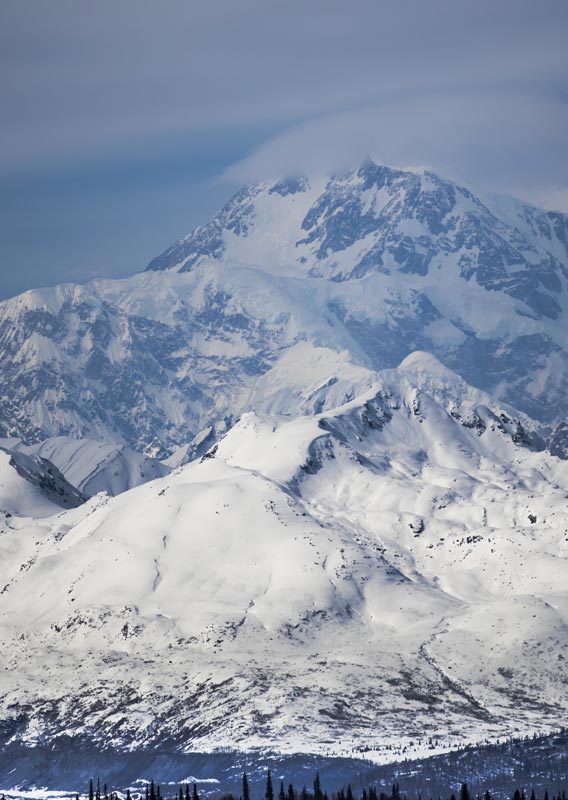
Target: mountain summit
<point x="381" y="220"/>
<point x="371" y="265"/>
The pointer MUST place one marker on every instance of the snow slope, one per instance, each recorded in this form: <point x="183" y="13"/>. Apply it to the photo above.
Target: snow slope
<point x="376" y="574"/>
<point x="97" y="466"/>
<point x="371" y="265"/>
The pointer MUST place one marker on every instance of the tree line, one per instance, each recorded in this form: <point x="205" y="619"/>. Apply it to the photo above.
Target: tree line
<point x="153" y="791"/>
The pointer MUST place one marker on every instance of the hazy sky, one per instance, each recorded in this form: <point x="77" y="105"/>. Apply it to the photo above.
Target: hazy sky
<point x="124" y="123"/>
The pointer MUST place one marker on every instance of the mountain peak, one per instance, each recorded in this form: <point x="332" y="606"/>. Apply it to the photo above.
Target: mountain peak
<point x="379" y="219"/>
<point x="375" y="263"/>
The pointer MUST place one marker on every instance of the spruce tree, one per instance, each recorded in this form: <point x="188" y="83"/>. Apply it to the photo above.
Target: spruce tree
<point x="464" y="792"/>
<point x="318" y="794"/>
<point x="269" y="793"/>
<point x="246" y="790"/>
<point x="291" y="792"/>
<point x="281" y="793"/>
<point x="91" y="790"/>
<point x="195" y="793"/>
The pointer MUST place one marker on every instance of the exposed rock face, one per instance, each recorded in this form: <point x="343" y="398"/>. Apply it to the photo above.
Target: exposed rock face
<point x="558" y="444"/>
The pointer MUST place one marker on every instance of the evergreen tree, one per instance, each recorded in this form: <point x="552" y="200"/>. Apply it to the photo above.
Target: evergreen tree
<point x="349" y="795"/>
<point x="246" y="790"/>
<point x="152" y="790"/>
<point x="195" y="793"/>
<point x="291" y="792"/>
<point x="128" y="795"/>
<point x="98" y="793"/>
<point x="318" y="794"/>
<point x="91" y="790"/>
<point x="464" y="792"/>
<point x="187" y="791"/>
<point x="269" y="793"/>
<point x="281" y="793"/>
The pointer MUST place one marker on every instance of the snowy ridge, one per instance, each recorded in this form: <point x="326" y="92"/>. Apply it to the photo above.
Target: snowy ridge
<point x="383" y="572"/>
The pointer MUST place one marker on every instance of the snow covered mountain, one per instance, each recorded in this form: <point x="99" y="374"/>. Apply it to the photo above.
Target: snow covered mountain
<point x="384" y="573"/>
<point x="352" y="536"/>
<point x="372" y="265"/>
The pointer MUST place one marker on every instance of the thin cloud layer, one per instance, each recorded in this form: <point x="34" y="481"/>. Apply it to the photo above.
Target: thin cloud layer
<point x="171" y="94"/>
<point x="82" y="80"/>
<point x="492" y="140"/>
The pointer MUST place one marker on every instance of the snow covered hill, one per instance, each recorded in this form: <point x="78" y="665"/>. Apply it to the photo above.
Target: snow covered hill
<point x="383" y="573"/>
<point x="370" y="265"/>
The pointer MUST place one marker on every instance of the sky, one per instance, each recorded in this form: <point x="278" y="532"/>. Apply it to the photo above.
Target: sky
<point x="126" y="123"/>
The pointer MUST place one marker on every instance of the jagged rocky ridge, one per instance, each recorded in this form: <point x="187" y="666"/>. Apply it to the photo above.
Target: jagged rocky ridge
<point x="373" y="264"/>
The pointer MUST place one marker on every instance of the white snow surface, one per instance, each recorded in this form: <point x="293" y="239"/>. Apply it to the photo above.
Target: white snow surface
<point x="94" y="467"/>
<point x="372" y="574"/>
